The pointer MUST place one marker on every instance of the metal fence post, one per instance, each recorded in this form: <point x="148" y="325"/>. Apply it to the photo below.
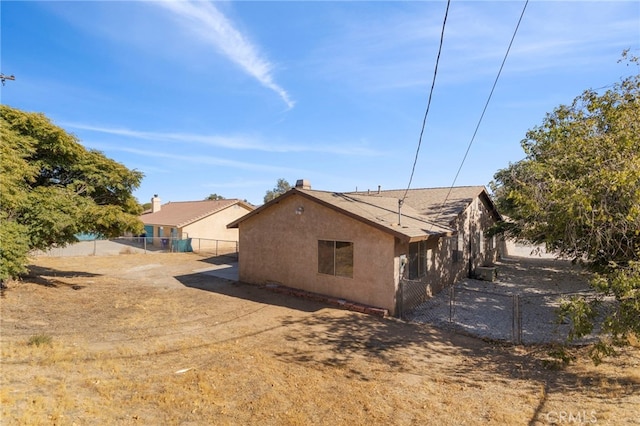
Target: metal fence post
<point x="401" y="307"/>
<point x="452" y="295"/>
<point x="516" y="320"/>
<point x="519" y="319"/>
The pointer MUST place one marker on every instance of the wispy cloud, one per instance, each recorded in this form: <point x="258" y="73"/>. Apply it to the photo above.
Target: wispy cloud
<point x="228" y="142"/>
<point x="196" y="159"/>
<point x="216" y="29"/>
<point x="238" y="143"/>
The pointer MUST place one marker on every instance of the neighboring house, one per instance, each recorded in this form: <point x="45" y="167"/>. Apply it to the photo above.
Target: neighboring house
<point x="203" y="222"/>
<point x="360" y="246"/>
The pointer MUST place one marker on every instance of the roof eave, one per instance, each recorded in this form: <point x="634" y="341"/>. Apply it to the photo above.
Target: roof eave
<point x="431" y="236"/>
<point x="236" y="223"/>
<point x="492" y="204"/>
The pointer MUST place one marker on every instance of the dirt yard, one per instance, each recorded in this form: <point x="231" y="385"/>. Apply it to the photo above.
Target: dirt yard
<point x="150" y="339"/>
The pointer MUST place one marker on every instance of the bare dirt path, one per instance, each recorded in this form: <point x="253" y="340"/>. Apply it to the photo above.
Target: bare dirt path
<point x="152" y="339"/>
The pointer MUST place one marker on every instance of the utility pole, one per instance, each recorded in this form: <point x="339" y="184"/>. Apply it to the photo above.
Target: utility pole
<point x="4" y="78"/>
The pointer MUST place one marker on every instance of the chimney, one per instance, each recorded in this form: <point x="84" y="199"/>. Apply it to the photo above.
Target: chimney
<point x="303" y="184"/>
<point x="155" y="204"/>
<point x="379" y="187"/>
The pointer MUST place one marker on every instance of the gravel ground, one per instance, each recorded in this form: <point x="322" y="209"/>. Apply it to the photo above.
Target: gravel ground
<point x="533" y="285"/>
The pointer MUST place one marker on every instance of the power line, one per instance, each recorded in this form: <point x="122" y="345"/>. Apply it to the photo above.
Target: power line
<point x="486" y="105"/>
<point x="424" y="121"/>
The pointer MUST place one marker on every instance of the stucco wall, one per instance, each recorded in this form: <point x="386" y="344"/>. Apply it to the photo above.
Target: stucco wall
<point x="446" y="267"/>
<point x="473" y="224"/>
<point x="441" y="270"/>
<point x="215" y="226"/>
<point x="277" y="245"/>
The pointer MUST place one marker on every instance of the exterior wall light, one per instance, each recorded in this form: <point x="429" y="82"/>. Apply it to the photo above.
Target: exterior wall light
<point x="299" y="210"/>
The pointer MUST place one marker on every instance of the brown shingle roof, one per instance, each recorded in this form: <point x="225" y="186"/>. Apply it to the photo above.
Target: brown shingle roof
<point x="424" y="211"/>
<point x="183" y="213"/>
<point x="430" y="202"/>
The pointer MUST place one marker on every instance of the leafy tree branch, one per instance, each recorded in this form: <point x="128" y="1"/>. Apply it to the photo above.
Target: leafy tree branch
<point x="578" y="192"/>
<point x="53" y="188"/>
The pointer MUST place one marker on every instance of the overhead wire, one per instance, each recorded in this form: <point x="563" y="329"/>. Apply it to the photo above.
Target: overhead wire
<point x="424" y="120"/>
<point x="484" y="110"/>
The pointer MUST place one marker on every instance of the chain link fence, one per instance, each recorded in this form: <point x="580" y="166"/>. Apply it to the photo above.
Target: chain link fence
<point x="130" y="245"/>
<point x="527" y="316"/>
<point x="412" y="294"/>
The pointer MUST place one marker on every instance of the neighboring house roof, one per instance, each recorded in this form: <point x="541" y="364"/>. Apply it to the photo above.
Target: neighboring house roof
<point x="425" y="213"/>
<point x="183" y="213"/>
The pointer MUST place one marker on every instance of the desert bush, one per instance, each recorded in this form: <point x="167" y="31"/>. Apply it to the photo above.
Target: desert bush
<point x="39" y="340"/>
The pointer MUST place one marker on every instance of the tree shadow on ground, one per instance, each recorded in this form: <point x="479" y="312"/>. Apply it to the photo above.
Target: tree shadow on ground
<point x="335" y="340"/>
<point x="50" y="277"/>
<point x="422" y="350"/>
<point x="536" y="272"/>
<point x="338" y="340"/>
<point x="238" y="289"/>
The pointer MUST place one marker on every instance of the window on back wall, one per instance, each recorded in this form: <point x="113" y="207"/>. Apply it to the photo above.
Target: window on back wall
<point x="492" y="242"/>
<point x="417" y="259"/>
<point x="457" y="246"/>
<point x="335" y="258"/>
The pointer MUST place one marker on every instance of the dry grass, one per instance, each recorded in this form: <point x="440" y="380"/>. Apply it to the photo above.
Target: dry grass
<point x="143" y="339"/>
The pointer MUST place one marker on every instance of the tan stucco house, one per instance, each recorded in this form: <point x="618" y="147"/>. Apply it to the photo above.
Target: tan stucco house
<point x="204" y="223"/>
<point x="361" y="246"/>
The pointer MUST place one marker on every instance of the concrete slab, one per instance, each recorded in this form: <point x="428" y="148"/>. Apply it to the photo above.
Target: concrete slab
<point x="226" y="271"/>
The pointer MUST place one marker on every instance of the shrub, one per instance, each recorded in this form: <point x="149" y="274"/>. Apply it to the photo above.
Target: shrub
<point x="39" y="340"/>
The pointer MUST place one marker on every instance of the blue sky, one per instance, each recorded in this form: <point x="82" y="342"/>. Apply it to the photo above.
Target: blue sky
<point x="228" y="97"/>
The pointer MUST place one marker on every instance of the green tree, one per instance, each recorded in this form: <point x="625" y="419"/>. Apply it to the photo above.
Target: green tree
<point x="214" y="197"/>
<point x="53" y="188"/>
<point x="281" y="187"/>
<point x="578" y="192"/>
